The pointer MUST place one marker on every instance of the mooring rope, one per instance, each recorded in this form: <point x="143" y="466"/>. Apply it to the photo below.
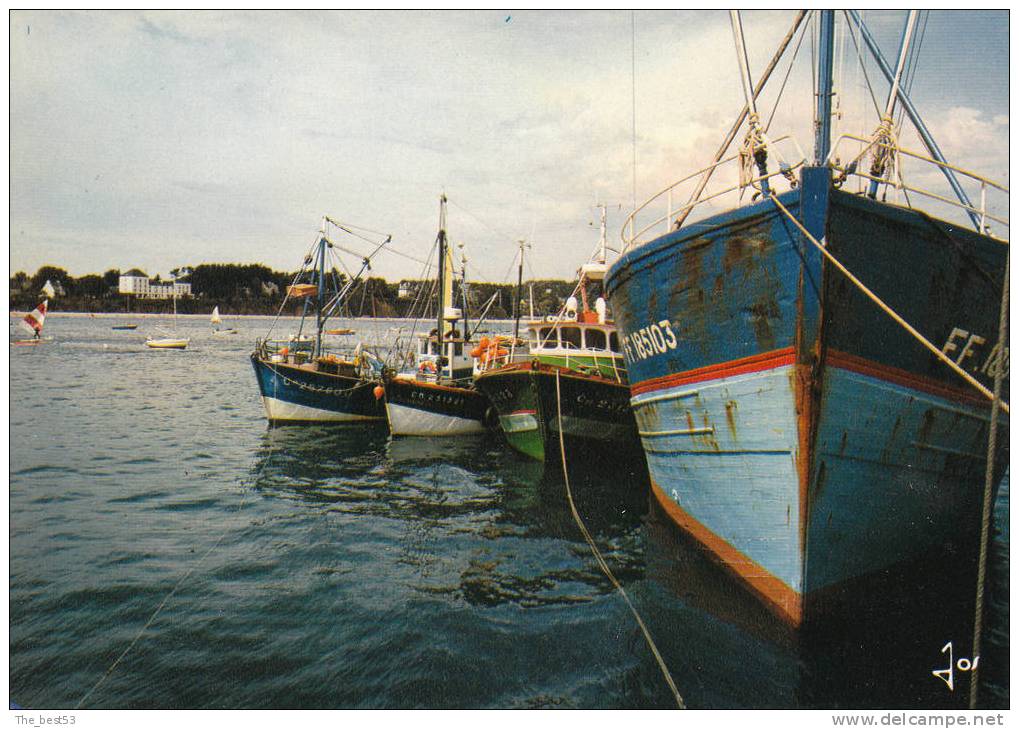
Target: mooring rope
<point x="985" y="522"/>
<point x="176" y="587"/>
<point x="601" y="560"/>
<point x="888" y="310"/>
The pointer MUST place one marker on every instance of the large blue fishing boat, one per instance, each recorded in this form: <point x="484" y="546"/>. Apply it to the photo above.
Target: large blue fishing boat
<point x="794" y="422"/>
<point x="300" y="378"/>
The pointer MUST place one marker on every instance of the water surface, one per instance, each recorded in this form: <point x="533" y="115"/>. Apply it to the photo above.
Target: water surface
<point x="336" y="567"/>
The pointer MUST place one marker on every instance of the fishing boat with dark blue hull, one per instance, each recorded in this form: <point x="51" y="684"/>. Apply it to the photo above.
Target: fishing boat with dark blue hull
<point x="791" y="425"/>
<point x="303" y="381"/>
<point x="297" y="390"/>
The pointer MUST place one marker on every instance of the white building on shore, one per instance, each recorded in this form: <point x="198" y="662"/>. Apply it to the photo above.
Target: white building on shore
<point x="137" y="283"/>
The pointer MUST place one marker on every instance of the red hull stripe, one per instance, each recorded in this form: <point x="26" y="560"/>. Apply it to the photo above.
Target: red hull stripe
<point x="903" y="378"/>
<point x="776" y="595"/>
<point x="757" y="363"/>
<point x="834" y="358"/>
<point x="432" y="386"/>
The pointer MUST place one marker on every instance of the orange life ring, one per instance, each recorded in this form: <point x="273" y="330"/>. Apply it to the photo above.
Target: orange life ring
<point x="427" y="366"/>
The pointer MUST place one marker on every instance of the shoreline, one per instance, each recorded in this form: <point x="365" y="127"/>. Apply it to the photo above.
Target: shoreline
<point x="205" y="317"/>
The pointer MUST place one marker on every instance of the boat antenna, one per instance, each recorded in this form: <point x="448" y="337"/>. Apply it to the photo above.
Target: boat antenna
<point x="601" y="240"/>
<point x="633" y="99"/>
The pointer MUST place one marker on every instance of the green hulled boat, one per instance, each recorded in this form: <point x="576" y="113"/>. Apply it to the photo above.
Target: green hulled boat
<point x="573" y="373"/>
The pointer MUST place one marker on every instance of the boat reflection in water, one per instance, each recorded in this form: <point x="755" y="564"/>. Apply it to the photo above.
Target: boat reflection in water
<point x="875" y="643"/>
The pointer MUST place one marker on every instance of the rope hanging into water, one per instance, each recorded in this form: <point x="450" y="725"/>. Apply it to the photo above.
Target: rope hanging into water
<point x="985" y="522"/>
<point x="176" y="587"/>
<point x="887" y="309"/>
<point x="601" y="560"/>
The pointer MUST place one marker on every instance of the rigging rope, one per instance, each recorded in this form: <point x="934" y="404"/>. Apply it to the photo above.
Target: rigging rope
<point x="601" y="560"/>
<point x="887" y="309"/>
<point x="985" y="521"/>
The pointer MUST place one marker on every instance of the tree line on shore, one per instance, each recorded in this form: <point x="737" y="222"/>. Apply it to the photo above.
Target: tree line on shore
<point x="256" y="289"/>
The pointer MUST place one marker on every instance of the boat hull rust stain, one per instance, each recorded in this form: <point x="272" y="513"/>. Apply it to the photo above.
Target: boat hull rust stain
<point x="838" y="445"/>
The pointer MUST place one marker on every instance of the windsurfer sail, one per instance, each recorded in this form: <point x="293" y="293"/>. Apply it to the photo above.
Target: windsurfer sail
<point x="33" y="321"/>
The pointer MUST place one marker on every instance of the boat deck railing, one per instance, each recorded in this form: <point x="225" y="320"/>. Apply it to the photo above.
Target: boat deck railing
<point x="717" y="187"/>
<point x="301" y="352"/>
<point x="990" y="196"/>
<point x="662" y="212"/>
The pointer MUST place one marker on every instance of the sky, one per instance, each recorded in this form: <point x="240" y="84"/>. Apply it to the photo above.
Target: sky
<point x="159" y="139"/>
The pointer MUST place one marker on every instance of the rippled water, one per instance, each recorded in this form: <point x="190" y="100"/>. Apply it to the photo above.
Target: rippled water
<point x="336" y="567"/>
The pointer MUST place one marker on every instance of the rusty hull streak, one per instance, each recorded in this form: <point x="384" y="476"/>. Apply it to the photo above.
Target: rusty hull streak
<point x="730" y="417"/>
<point x="806" y="383"/>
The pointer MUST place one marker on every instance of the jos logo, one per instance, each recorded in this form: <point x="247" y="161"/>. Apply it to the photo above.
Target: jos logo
<point x="962" y="665"/>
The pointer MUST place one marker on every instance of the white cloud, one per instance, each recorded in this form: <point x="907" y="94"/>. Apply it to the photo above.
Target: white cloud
<point x="164" y="138"/>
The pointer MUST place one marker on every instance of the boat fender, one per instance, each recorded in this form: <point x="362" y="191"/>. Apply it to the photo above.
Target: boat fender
<point x="491" y="418"/>
<point x="481" y="348"/>
<point x="379" y="391"/>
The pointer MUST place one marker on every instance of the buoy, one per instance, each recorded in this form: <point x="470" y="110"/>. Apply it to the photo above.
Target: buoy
<point x="379" y="391"/>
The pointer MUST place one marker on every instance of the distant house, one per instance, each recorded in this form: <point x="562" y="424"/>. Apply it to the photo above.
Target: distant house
<point x="137" y="283"/>
<point x="269" y="288"/>
<point x="408" y="289"/>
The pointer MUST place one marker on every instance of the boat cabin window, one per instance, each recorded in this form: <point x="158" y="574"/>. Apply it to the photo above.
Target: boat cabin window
<point x="458" y="349"/>
<point x="547" y="338"/>
<point x="594" y="339"/>
<point x="570" y="337"/>
<point x="614" y="341"/>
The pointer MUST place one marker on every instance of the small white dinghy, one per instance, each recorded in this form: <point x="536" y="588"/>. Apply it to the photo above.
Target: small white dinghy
<point x="173" y="341"/>
<point x="216" y="321"/>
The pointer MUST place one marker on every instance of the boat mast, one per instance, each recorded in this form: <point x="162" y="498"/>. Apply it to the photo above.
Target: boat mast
<point x="445" y="277"/>
<point x="883" y="154"/>
<point x="822" y="122"/>
<point x="320" y="294"/>
<point x="914" y="116"/>
<point x="463" y="290"/>
<point x="520" y="285"/>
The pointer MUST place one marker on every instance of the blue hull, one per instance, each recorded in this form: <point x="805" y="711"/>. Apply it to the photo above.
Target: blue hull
<point x="298" y="394"/>
<point x="789" y="425"/>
